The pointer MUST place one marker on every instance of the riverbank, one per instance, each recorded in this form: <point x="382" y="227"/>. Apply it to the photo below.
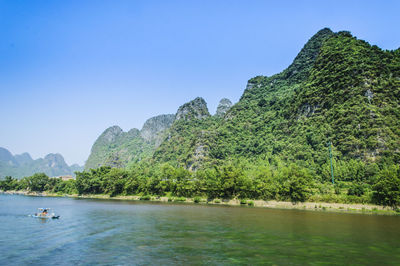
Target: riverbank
<point x="309" y="206"/>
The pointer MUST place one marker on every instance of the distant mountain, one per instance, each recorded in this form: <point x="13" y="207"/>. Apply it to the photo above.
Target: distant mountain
<point x="23" y="159"/>
<point x="21" y="165"/>
<point x="7" y="157"/>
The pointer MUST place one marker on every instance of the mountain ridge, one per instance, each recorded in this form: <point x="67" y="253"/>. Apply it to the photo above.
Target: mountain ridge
<point x="21" y="165"/>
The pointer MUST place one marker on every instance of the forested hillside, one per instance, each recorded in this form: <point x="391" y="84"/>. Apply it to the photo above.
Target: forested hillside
<point x="338" y="89"/>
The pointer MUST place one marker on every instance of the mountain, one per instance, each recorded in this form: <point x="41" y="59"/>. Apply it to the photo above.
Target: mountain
<point x="154" y="126"/>
<point x="22" y="165"/>
<point x="196" y="109"/>
<point x="338" y="89"/>
<point x="187" y="140"/>
<point x="6" y="157"/>
<point x="223" y="107"/>
<point x="23" y="159"/>
<point x="117" y="148"/>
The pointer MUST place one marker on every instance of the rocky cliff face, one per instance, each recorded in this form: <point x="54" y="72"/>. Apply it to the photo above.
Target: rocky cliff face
<point x="154" y="126"/>
<point x="111" y="134"/>
<point x="196" y="109"/>
<point x="223" y="107"/>
<point x="23" y="165"/>
<point x="55" y="160"/>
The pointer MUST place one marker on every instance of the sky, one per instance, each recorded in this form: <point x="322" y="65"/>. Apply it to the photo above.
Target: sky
<point x="71" y="69"/>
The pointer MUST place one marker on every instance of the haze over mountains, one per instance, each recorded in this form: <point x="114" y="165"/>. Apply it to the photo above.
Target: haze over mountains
<point x="22" y="165"/>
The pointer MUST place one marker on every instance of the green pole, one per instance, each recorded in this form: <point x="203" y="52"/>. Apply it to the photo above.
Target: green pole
<point x="330" y="157"/>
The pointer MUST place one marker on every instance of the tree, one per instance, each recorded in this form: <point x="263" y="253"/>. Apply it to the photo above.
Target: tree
<point x="8" y="183"/>
<point x="296" y="183"/>
<point x="387" y="188"/>
<point x="37" y="182"/>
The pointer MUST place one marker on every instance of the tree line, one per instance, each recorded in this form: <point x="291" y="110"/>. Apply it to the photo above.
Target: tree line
<point x="267" y="179"/>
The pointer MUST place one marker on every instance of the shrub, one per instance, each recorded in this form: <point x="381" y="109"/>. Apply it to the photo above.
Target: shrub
<point x="197" y="200"/>
<point x="181" y="199"/>
<point x="243" y="202"/>
<point x="296" y="183"/>
<point x="387" y="188"/>
<point x="146" y="197"/>
<point x="250" y="203"/>
<point x="356" y="189"/>
<point x="217" y="201"/>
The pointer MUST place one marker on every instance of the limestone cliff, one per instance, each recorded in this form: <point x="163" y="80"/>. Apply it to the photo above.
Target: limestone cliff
<point x="223" y="107"/>
<point x="195" y="109"/>
<point x="154" y="126"/>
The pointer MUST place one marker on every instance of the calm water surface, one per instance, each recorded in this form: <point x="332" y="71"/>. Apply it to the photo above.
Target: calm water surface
<point x="92" y="232"/>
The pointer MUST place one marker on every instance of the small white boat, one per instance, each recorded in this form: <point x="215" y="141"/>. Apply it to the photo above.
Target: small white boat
<point x="45" y="213"/>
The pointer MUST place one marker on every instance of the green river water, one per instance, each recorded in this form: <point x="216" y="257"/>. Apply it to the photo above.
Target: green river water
<point x="106" y="232"/>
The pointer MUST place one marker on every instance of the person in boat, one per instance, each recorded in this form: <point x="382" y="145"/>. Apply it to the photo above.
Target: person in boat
<point x="44" y="212"/>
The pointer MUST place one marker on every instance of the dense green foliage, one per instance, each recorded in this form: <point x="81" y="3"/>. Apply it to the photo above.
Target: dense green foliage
<point x="38" y="182"/>
<point x="267" y="179"/>
<point x="387" y="187"/>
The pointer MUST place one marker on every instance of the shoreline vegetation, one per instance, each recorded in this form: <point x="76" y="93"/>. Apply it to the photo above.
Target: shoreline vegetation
<point x="287" y="186"/>
<point x="270" y="204"/>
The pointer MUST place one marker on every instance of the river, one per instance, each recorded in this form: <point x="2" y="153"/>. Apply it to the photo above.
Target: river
<point x="106" y="232"/>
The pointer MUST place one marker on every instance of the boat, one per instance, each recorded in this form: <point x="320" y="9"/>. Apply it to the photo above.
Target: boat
<point x="45" y="213"/>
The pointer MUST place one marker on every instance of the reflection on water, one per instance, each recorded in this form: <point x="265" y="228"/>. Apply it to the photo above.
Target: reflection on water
<point x="113" y="232"/>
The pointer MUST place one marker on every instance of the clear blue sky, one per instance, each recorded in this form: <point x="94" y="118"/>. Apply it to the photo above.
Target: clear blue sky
<point x="70" y="69"/>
